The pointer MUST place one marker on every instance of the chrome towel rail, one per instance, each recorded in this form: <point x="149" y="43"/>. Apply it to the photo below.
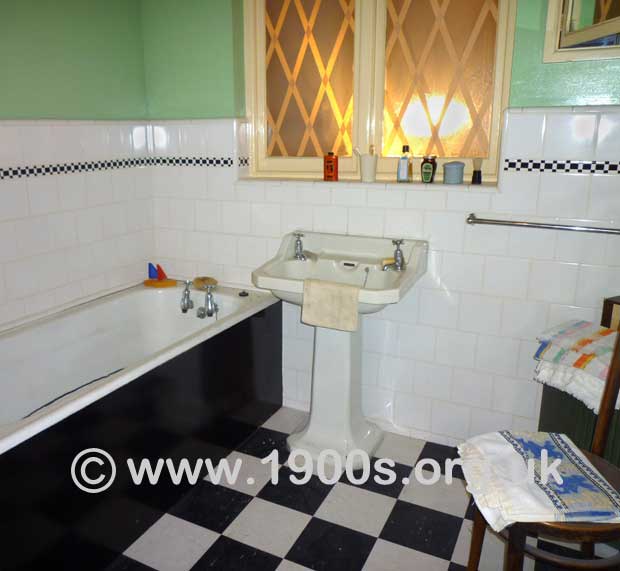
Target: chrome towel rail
<point x="473" y="219"/>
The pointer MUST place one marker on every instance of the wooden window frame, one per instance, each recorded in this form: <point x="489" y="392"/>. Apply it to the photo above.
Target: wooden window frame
<point x="368" y="93"/>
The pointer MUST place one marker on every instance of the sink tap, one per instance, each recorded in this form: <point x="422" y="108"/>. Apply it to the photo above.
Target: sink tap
<point x="210" y="307"/>
<point x="186" y="300"/>
<point x="299" y="247"/>
<point x="399" y="259"/>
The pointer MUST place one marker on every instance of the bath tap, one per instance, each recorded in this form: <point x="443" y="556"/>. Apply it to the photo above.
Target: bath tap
<point x="399" y="260"/>
<point x="210" y="307"/>
<point x="299" y="247"/>
<point x="186" y="300"/>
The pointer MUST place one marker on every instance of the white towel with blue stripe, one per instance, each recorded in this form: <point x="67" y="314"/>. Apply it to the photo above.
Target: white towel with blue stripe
<point x="504" y="475"/>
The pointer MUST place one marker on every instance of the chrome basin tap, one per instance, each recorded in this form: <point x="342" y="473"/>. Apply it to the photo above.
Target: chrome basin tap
<point x="186" y="300"/>
<point x="210" y="307"/>
<point x="299" y="247"/>
<point x="399" y="259"/>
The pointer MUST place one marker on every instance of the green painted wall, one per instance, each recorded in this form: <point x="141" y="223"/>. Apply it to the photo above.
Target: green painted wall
<point x="537" y="84"/>
<point x="75" y="59"/>
<point x="193" y="53"/>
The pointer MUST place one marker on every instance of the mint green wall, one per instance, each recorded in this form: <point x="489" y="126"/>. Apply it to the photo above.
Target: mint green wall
<point x="193" y="53"/>
<point x="554" y="84"/>
<point x="75" y="59"/>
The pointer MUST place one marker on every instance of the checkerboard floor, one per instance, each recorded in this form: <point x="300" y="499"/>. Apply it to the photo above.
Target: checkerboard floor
<point x="288" y="527"/>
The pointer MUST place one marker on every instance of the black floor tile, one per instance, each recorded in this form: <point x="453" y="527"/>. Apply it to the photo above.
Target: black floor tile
<point x="422" y="529"/>
<point x="227" y="432"/>
<point x="263" y="442"/>
<point x="123" y="563"/>
<point x="227" y="554"/>
<point x="456" y="567"/>
<point x="393" y="490"/>
<point x="441" y="453"/>
<point x="75" y="552"/>
<point x="117" y="523"/>
<point x="306" y="498"/>
<point x="214" y="507"/>
<point x="325" y="546"/>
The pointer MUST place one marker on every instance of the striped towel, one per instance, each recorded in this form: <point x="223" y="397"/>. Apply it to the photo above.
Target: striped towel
<point x="495" y="466"/>
<point x="579" y="344"/>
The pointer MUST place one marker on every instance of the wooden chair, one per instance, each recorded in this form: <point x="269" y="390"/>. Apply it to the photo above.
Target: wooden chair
<point x="588" y="534"/>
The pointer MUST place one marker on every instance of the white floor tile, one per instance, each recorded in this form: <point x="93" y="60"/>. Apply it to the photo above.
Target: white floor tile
<point x="356" y="508"/>
<point x="268" y="526"/>
<point x="172" y="544"/>
<point x="287" y="420"/>
<point x="401" y="449"/>
<point x="452" y="499"/>
<point x="388" y="556"/>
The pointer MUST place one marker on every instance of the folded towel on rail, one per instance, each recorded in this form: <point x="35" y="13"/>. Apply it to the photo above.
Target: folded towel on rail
<point x="495" y="466"/>
<point x="584" y="387"/>
<point x="331" y="305"/>
<point x="578" y="344"/>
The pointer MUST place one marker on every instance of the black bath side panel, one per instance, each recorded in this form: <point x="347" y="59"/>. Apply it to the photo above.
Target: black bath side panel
<point x="201" y="404"/>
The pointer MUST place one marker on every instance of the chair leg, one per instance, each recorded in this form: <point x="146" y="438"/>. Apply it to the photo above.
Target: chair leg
<point x="588" y="550"/>
<point x="477" y="539"/>
<point x="516" y="545"/>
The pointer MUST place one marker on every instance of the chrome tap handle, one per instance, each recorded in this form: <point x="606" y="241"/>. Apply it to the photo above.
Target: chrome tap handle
<point x="186" y="300"/>
<point x="399" y="258"/>
<point x="299" y="247"/>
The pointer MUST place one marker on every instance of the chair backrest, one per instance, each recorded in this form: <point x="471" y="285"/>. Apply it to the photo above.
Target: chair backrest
<point x="608" y="402"/>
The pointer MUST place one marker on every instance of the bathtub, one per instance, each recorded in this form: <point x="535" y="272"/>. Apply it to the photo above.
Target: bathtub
<point x="58" y="365"/>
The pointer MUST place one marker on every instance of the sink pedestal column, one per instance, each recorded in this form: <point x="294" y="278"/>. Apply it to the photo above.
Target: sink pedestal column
<point x="336" y="421"/>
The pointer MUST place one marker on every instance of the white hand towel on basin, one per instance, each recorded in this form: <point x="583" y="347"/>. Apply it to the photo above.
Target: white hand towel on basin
<point x="331" y="305"/>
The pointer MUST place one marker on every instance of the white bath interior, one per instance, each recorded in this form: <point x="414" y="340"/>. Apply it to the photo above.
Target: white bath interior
<point x="117" y="338"/>
<point x="452" y="360"/>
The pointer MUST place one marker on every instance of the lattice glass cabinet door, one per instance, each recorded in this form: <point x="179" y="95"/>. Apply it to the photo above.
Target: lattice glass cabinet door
<point x="440" y="59"/>
<point x="309" y="62"/>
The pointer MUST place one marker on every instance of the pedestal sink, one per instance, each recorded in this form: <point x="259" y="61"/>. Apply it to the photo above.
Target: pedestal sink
<point x="336" y="421"/>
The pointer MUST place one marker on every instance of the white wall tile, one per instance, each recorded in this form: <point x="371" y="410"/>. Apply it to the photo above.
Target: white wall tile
<point x="266" y="220"/>
<point x="366" y="222"/>
<point x="439" y="308"/>
<point x="395" y="374"/>
<point x="486" y="240"/>
<point x="390" y="198"/>
<point x="413" y="411"/>
<point x="581" y="247"/>
<point x="426" y="199"/>
<point x="480" y="313"/>
<point x="444" y="230"/>
<point x="13" y="199"/>
<point x="484" y="421"/>
<point x="523" y="135"/>
<point x="506" y="277"/>
<point x="532" y="243"/>
<point x="523" y="319"/>
<point x="349" y="196"/>
<point x="515" y="396"/>
<point x="404" y="224"/>
<point x="450" y="419"/>
<point x="594" y="283"/>
<point x="431" y="380"/>
<point x="553" y="281"/>
<point x="330" y="219"/>
<point x="455" y="348"/>
<point x="605" y="198"/>
<point x="497" y="354"/>
<point x="236" y="217"/>
<point x="608" y="137"/>
<point x="518" y="193"/>
<point x="563" y="195"/>
<point x="462" y="272"/>
<point x="472" y="388"/>
<point x="414" y="341"/>
<point x="569" y="136"/>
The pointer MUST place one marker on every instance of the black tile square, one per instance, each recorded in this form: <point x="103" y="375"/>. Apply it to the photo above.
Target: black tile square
<point x="422" y="529"/>
<point x="123" y="563"/>
<point x="214" y="507"/>
<point x="227" y="554"/>
<point x="441" y="453"/>
<point x="117" y="522"/>
<point x="558" y="550"/>
<point x="456" y="567"/>
<point x="227" y="433"/>
<point x="469" y="514"/>
<point x="325" y="546"/>
<point x="306" y="498"/>
<point x="75" y="552"/>
<point x="263" y="442"/>
<point x="393" y="490"/>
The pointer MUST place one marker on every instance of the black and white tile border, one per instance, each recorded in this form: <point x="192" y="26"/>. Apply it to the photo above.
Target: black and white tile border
<point x="92" y="166"/>
<point x="568" y="166"/>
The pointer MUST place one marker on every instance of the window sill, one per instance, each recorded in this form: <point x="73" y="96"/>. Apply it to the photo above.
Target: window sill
<point x="487" y="187"/>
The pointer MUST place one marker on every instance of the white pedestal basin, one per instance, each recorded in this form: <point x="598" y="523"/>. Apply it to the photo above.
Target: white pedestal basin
<point x="336" y="421"/>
